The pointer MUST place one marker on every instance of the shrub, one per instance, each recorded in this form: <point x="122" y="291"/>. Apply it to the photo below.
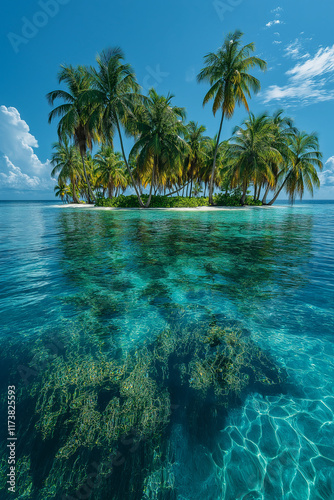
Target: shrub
<point x="228" y="199"/>
<point x="231" y="199"/>
<point x="131" y="201"/>
<point x="251" y="202"/>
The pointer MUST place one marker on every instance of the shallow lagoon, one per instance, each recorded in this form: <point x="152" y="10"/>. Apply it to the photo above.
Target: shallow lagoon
<point x="114" y="281"/>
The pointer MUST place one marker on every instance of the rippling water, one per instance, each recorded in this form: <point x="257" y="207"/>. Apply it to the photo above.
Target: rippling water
<point x="127" y="276"/>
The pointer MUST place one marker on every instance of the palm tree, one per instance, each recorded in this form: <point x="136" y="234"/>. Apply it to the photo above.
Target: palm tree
<point x="227" y="72"/>
<point x="251" y="152"/>
<point x="300" y="172"/>
<point x="114" y="93"/>
<point x="196" y="156"/>
<point x="75" y="117"/>
<point x="283" y="129"/>
<point x="197" y="189"/>
<point x="66" y="164"/>
<point x="159" y="147"/>
<point x="61" y="190"/>
<point x="110" y="169"/>
<point x="221" y="158"/>
<point x="92" y="173"/>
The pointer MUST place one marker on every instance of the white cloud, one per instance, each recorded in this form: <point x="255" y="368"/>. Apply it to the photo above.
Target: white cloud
<point x="20" y="167"/>
<point x="294" y="50"/>
<point x="277" y="10"/>
<point x="322" y="63"/>
<point x="276" y="42"/>
<point x="309" y="81"/>
<point x="307" y="91"/>
<point x="272" y="23"/>
<point x="327" y="176"/>
<point x="16" y="178"/>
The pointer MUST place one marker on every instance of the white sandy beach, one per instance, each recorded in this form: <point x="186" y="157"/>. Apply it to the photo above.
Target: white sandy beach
<point x="176" y="209"/>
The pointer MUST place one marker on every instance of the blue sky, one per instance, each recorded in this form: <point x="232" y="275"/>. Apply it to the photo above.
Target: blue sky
<point x="165" y="42"/>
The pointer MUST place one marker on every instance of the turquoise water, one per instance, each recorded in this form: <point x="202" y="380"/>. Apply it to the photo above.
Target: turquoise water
<point x="127" y="276"/>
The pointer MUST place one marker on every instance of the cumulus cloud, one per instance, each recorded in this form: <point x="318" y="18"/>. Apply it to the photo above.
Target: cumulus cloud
<point x="273" y="23"/>
<point x="309" y="81"/>
<point x="327" y="175"/>
<point x="16" y="178"/>
<point x="20" y="167"/>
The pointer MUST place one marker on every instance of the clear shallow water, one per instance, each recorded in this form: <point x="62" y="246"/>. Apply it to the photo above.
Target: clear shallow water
<point x="128" y="275"/>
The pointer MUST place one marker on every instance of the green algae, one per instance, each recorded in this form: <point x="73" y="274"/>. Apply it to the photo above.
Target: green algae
<point x="89" y="397"/>
<point x="223" y="360"/>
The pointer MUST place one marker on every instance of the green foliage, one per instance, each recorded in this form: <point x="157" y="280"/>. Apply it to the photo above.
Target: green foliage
<point x="158" y="128"/>
<point x="131" y="201"/>
<point x="120" y="201"/>
<point x="75" y="121"/>
<point x="227" y="72"/>
<point x="253" y="203"/>
<point x="228" y="199"/>
<point x="265" y="152"/>
<point x="231" y="199"/>
<point x="197" y="189"/>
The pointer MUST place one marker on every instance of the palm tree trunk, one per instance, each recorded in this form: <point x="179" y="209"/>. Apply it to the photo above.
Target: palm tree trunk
<point x="177" y="190"/>
<point x="244" y="192"/>
<point x="91" y="196"/>
<point x="280" y="189"/>
<point x="152" y="181"/>
<point x="85" y="194"/>
<point x="277" y="193"/>
<point x="75" y="198"/>
<point x="204" y="189"/>
<point x="191" y="184"/>
<point x="214" y="162"/>
<point x="127" y="165"/>
<point x="264" y="199"/>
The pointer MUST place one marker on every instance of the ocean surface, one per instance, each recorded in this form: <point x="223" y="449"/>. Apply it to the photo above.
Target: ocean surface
<point x="116" y="280"/>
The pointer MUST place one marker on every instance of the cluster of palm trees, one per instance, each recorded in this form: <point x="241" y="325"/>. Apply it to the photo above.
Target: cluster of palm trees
<point x="170" y="156"/>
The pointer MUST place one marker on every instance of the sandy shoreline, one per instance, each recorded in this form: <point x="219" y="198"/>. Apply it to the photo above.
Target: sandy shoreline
<point x="176" y="209"/>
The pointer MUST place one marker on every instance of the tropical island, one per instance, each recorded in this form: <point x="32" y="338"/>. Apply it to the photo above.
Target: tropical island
<point x="173" y="163"/>
<point x="167" y="318"/>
